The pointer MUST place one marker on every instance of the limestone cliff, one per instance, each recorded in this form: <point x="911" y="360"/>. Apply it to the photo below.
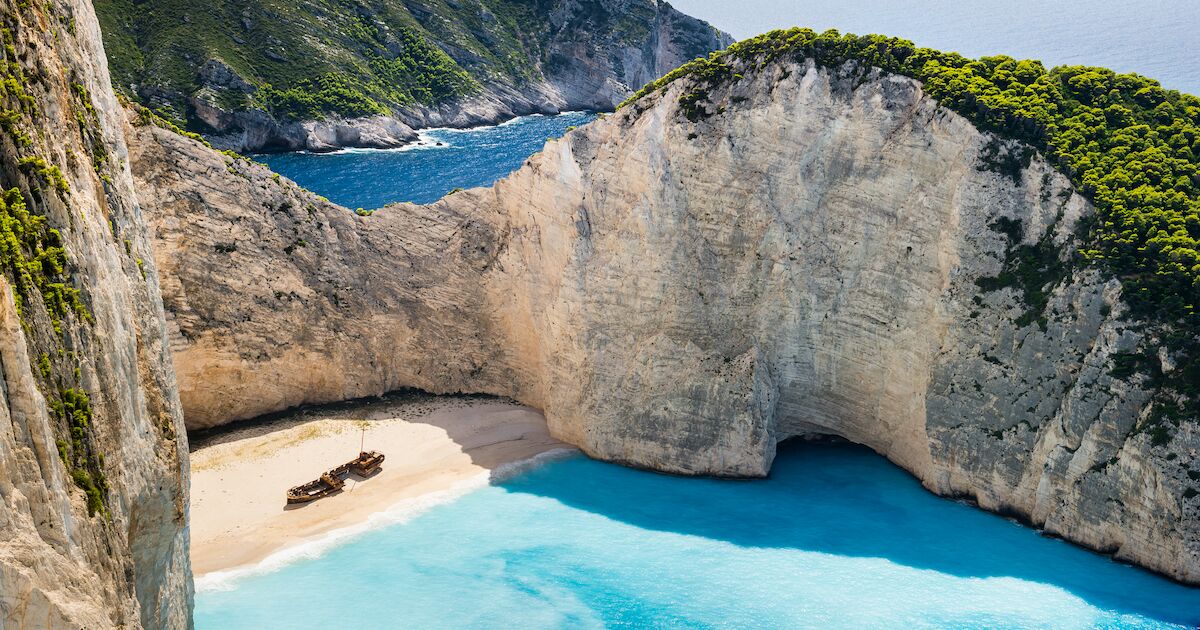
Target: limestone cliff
<point x="92" y="449"/>
<point x="820" y="256"/>
<point x="254" y="76"/>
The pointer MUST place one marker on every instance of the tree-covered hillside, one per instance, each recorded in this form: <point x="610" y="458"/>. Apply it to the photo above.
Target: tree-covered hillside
<point x="305" y="59"/>
<point x="1129" y="145"/>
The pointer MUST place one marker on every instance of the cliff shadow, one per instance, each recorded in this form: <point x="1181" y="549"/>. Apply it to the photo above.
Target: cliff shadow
<point x="832" y="498"/>
<point x="845" y="500"/>
<point x="495" y="433"/>
<point x="415" y="405"/>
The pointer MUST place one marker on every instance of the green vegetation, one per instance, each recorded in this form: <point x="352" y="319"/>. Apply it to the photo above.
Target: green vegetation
<point x="147" y="117"/>
<point x="49" y="174"/>
<point x="1129" y="145"/>
<point x="1033" y="270"/>
<point x="89" y="123"/>
<point x="422" y="73"/>
<point x="19" y="103"/>
<point x="33" y="259"/>
<point x="311" y="58"/>
<point x="74" y="408"/>
<point x="33" y="255"/>
<point x="330" y="93"/>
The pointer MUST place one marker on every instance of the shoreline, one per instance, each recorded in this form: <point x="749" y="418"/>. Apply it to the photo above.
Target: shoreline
<point x="422" y="140"/>
<point x="438" y="449"/>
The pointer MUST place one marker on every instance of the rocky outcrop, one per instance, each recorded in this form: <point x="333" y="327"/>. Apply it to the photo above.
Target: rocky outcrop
<point x="93" y="458"/>
<point x="214" y="65"/>
<point x="256" y="130"/>
<point x="587" y="65"/>
<point x="822" y="255"/>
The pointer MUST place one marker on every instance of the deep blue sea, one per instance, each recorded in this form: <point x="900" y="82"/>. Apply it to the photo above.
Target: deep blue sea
<point x="836" y="538"/>
<point x="1155" y="38"/>
<point x="423" y="173"/>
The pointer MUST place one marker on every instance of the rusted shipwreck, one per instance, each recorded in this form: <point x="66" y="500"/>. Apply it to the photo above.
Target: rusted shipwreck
<point x="331" y="482"/>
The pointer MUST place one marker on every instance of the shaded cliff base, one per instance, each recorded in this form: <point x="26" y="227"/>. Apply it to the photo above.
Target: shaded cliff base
<point x="826" y="252"/>
<point x="971" y="500"/>
<point x="437" y="448"/>
<point x="447" y="445"/>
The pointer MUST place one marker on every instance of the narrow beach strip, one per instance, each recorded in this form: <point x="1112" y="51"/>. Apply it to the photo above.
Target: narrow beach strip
<point x="437" y="448"/>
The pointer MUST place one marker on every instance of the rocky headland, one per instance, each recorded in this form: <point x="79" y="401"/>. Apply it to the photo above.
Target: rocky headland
<point x="764" y="247"/>
<point x="816" y="257"/>
<point x="320" y="76"/>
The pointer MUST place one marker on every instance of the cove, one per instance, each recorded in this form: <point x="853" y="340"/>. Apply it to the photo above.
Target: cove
<point x="423" y="173"/>
<point x="837" y="537"/>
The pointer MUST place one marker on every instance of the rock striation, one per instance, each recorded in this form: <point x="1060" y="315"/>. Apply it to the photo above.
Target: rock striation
<point x="93" y="459"/>
<point x="822" y="255"/>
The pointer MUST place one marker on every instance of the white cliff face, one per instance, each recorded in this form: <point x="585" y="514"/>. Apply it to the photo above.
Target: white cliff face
<point x="61" y="567"/>
<point x="684" y="295"/>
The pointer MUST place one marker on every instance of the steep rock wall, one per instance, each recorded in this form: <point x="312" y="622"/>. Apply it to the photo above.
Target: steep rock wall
<point x="210" y="63"/>
<point x="93" y="457"/>
<point x="823" y="255"/>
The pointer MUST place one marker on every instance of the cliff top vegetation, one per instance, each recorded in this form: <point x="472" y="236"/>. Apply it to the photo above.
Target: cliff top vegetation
<point x="1127" y="144"/>
<point x="310" y="59"/>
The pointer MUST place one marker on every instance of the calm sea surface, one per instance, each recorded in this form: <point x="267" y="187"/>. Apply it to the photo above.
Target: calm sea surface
<point x="836" y="538"/>
<point x="1155" y="38"/>
<point x="422" y="173"/>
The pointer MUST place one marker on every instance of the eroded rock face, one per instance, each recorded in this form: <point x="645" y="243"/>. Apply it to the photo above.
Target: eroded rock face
<point x="123" y="560"/>
<point x="590" y="62"/>
<point x="810" y="260"/>
<point x="558" y="56"/>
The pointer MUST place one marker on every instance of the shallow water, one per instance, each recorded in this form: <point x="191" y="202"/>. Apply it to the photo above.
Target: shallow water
<point x="372" y="178"/>
<point x="836" y="538"/>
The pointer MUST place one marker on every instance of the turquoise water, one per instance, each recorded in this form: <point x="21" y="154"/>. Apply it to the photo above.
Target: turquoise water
<point x="369" y="178"/>
<point x="836" y="538"/>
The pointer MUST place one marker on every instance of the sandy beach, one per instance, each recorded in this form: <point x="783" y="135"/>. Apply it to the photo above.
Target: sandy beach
<point x="433" y="445"/>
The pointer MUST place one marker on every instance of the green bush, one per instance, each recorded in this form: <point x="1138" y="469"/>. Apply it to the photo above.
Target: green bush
<point x="49" y="174"/>
<point x="314" y="98"/>
<point x="417" y="72"/>
<point x="74" y="408"/>
<point x="33" y="258"/>
<point x="1126" y="143"/>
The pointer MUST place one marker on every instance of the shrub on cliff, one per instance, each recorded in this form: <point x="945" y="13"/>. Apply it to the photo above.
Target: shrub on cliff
<point x="1129" y="145"/>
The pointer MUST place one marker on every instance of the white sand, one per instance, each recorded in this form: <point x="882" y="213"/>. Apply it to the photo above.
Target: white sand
<point x="432" y="445"/>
